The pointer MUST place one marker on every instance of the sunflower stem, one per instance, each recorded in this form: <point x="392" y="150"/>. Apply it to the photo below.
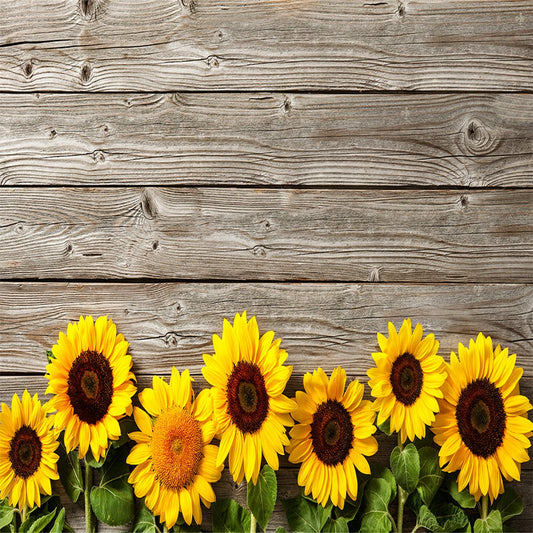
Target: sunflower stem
<point x="165" y="528"/>
<point x="253" y="523"/>
<point x="484" y="507"/>
<point x="23" y="515"/>
<point x="90" y="525"/>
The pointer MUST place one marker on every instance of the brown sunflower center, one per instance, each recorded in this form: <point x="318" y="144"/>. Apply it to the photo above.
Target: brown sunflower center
<point x="247" y="397"/>
<point x="176" y="448"/>
<point x="25" y="451"/>
<point x="406" y="378"/>
<point x="90" y="386"/>
<point x="331" y="432"/>
<point x="480" y="415"/>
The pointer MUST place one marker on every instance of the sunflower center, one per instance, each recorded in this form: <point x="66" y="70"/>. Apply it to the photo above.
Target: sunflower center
<point x="176" y="448"/>
<point x="90" y="386"/>
<point x="247" y="397"/>
<point x="25" y="451"/>
<point x="406" y="379"/>
<point x="480" y="415"/>
<point x="331" y="432"/>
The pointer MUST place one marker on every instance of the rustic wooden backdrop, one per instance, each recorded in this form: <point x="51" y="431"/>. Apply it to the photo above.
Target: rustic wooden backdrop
<point x="326" y="165"/>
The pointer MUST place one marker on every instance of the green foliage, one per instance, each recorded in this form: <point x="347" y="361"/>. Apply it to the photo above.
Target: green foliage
<point x="281" y="530"/>
<point x="381" y="472"/>
<point x="375" y="517"/>
<point x="261" y="497"/>
<point x="7" y="514"/>
<point x="69" y="469"/>
<point x="385" y="427"/>
<point x="59" y="523"/>
<point x="442" y="518"/>
<point x="463" y="498"/>
<point x="431" y="475"/>
<point x="230" y="517"/>
<point x="145" y="521"/>
<point x="92" y="462"/>
<point x="127" y="425"/>
<point x="336" y="525"/>
<point x="509" y="504"/>
<point x="49" y="355"/>
<point x="31" y="525"/>
<point x="492" y="524"/>
<point x="406" y="467"/>
<point x="351" y="508"/>
<point x="112" y="499"/>
<point x="305" y="515"/>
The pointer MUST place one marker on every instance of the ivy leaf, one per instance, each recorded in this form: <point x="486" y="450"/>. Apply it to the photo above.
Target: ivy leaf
<point x="442" y="518"/>
<point x="491" y="524"/>
<point x="112" y="499"/>
<point x="406" y="467"/>
<point x="385" y="427"/>
<point x="381" y="472"/>
<point x="230" y="517"/>
<point x="145" y="521"/>
<point x="69" y="469"/>
<point x="302" y="515"/>
<point x="261" y="497"/>
<point x="375" y="517"/>
<point x="431" y="475"/>
<point x="339" y="525"/>
<point x="509" y="504"/>
<point x="463" y="498"/>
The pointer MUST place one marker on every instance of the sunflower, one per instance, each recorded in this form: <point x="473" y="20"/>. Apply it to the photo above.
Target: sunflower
<point x="89" y="375"/>
<point x="333" y="434"/>
<point x="248" y="379"/>
<point x="482" y="426"/>
<point x="175" y="460"/>
<point x="27" y="446"/>
<point x="407" y="380"/>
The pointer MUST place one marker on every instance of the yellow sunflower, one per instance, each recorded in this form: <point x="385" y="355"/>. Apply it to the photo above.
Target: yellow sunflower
<point x="332" y="437"/>
<point x="248" y="379"/>
<point x="482" y="426"/>
<point x="89" y="375"/>
<point x="407" y="380"/>
<point x="175" y="460"/>
<point x="27" y="446"/>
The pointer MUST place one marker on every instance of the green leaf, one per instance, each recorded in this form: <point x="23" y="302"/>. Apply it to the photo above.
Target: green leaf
<point x="431" y="475"/>
<point x="49" y="355"/>
<point x="339" y="525"/>
<point x="509" y="504"/>
<point x="508" y="529"/>
<point x="92" y="462"/>
<point x="492" y="524"/>
<point x="385" y="427"/>
<point x="351" y="507"/>
<point x="6" y="514"/>
<point x="127" y="425"/>
<point x="145" y="521"/>
<point x="406" y="467"/>
<point x="59" y="523"/>
<point x="302" y="515"/>
<point x="324" y="513"/>
<point x="112" y="499"/>
<point x="261" y="497"/>
<point x="375" y="517"/>
<point x="442" y="518"/>
<point x="230" y="517"/>
<point x="381" y="472"/>
<point x="38" y="525"/>
<point x="463" y="498"/>
<point x="281" y="530"/>
<point x="69" y="469"/>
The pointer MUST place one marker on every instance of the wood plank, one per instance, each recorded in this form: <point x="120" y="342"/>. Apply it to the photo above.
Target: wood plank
<point x="321" y="324"/>
<point x="115" y="45"/>
<point x="267" y="138"/>
<point x="348" y="235"/>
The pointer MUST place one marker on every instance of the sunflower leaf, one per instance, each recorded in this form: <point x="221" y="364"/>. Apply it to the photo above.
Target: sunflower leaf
<point x="509" y="504"/>
<point x="385" y="427"/>
<point x="375" y="517"/>
<point x="338" y="525"/>
<point x="281" y="530"/>
<point x="92" y="462"/>
<point x="49" y="355"/>
<point x="463" y="498"/>
<point x="261" y="497"/>
<point x="431" y="475"/>
<point x="230" y="517"/>
<point x="127" y="425"/>
<point x="145" y="521"/>
<point x="59" y="523"/>
<point x="302" y="515"/>
<point x="406" y="467"/>
<point x="351" y="508"/>
<point x="38" y="525"/>
<point x="381" y="472"/>
<point x="112" y="499"/>
<point x="6" y="514"/>
<point x="491" y="524"/>
<point x="69" y="469"/>
<point x="442" y="518"/>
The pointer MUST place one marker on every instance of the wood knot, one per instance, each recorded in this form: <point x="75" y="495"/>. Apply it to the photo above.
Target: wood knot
<point x="68" y="248"/>
<point x="212" y="62"/>
<point x="148" y="205"/>
<point x="287" y="105"/>
<point x="27" y="68"/>
<point x="53" y="133"/>
<point x="19" y="228"/>
<point x="259" y="251"/>
<point x="477" y="138"/>
<point x="189" y="5"/>
<point x="401" y="9"/>
<point x="99" y="156"/>
<point x="171" y="340"/>
<point x="85" y="73"/>
<point x="90" y="9"/>
<point x="155" y="245"/>
<point x="374" y="275"/>
<point x="464" y="201"/>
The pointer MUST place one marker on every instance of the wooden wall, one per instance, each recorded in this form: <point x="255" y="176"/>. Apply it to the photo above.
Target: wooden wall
<point x="327" y="166"/>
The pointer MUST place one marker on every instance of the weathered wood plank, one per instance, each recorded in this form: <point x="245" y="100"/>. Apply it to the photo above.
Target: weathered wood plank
<point x="350" y="235"/>
<point x="286" y="139"/>
<point x="298" y="44"/>
<point x="324" y="324"/>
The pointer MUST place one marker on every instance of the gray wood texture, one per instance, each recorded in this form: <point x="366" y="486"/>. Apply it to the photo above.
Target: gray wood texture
<point x="114" y="45"/>
<point x="241" y="234"/>
<point x="285" y="139"/>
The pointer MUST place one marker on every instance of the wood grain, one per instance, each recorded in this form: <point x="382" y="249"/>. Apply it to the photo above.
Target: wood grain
<point x="267" y="138"/>
<point x="236" y="234"/>
<point x="321" y="324"/>
<point x="302" y="44"/>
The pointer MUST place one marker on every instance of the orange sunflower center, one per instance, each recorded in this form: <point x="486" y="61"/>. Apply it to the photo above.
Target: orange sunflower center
<point x="332" y="432"/>
<point x="90" y="386"/>
<point x="176" y="448"/>
<point x="247" y="397"/>
<point x="25" y="450"/>
<point x="406" y="379"/>
<point x="480" y="416"/>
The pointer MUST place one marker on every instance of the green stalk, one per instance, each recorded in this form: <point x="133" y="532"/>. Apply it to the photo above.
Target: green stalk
<point x="484" y="506"/>
<point x="24" y="513"/>
<point x="402" y="497"/>
<point x="90" y="524"/>
<point x="165" y="528"/>
<point x="253" y="524"/>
